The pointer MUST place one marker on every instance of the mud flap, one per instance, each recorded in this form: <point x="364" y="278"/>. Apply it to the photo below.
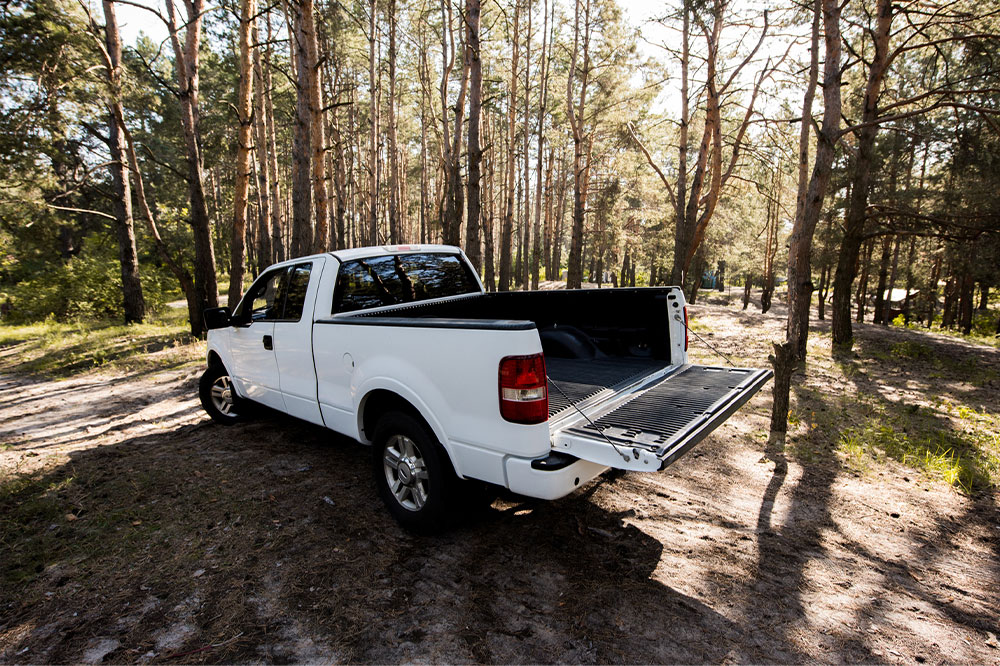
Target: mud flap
<point x="657" y="424"/>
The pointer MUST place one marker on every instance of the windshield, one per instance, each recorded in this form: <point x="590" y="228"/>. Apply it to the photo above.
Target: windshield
<point x="402" y="278"/>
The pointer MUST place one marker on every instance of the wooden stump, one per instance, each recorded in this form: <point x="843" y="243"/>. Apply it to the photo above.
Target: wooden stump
<point x="784" y="362"/>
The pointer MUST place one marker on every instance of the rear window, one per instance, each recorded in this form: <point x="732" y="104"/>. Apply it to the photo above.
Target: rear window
<point x="403" y="278"/>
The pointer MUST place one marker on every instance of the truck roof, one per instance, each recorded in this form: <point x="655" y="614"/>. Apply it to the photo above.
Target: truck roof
<point x="378" y="250"/>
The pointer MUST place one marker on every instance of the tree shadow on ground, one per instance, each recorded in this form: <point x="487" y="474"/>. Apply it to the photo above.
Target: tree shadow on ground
<point x="785" y="550"/>
<point x="267" y="541"/>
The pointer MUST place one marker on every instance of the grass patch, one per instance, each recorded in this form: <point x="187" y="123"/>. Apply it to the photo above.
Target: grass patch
<point x="55" y="349"/>
<point x="984" y="325"/>
<point x="966" y="457"/>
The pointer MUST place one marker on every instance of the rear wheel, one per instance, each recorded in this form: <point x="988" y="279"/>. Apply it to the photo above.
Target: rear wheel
<point x="218" y="396"/>
<point x="413" y="474"/>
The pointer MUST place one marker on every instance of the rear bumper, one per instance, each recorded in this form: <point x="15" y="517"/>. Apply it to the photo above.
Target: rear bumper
<point x="549" y="484"/>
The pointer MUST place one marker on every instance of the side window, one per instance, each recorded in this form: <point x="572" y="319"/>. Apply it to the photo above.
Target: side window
<point x="357" y="288"/>
<point x="263" y="301"/>
<point x="298" y="282"/>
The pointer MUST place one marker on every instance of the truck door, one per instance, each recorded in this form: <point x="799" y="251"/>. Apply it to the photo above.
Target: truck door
<point x="252" y="344"/>
<point x="293" y="342"/>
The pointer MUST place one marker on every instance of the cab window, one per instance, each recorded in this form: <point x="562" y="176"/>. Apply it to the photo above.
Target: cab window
<point x="404" y="278"/>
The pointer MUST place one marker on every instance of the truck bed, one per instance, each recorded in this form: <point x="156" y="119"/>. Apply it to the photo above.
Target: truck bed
<point x="577" y="381"/>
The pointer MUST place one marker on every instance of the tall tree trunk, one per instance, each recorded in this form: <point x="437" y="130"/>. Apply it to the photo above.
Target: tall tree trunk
<point x="536" y="253"/>
<point x="951" y="289"/>
<point x="507" y="229"/>
<point x="472" y="225"/>
<point x="932" y="287"/>
<point x="317" y="129"/>
<point x="395" y="232"/>
<point x="424" y="165"/>
<point x="242" y="185"/>
<point x="809" y="204"/>
<point x="680" y="239"/>
<point x="881" y="302"/>
<point x="524" y="251"/>
<point x="824" y="277"/>
<point x="854" y="222"/>
<point x="581" y="142"/>
<point x="134" y="305"/>
<point x="265" y="253"/>
<point x="277" y="237"/>
<point x="489" y="274"/>
<point x="911" y="256"/>
<point x="557" y="241"/>
<point x="811" y="192"/>
<point x="373" y="123"/>
<point x="548" y="224"/>
<point x="862" y="292"/>
<point x="174" y="265"/>
<point x="891" y="285"/>
<point x="303" y="230"/>
<point x="186" y="65"/>
<point x="965" y="307"/>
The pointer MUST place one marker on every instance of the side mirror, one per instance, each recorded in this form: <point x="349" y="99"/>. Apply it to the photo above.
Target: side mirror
<point x="217" y="318"/>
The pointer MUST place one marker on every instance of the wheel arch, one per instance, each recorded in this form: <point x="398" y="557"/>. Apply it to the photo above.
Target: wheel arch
<point x="214" y="358"/>
<point x="380" y="401"/>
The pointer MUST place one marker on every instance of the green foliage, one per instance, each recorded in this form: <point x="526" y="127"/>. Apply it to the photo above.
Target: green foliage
<point x="967" y="456"/>
<point x="86" y="286"/>
<point x="910" y="349"/>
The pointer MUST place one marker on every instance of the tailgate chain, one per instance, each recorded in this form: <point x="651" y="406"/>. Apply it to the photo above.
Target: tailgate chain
<point x="624" y="456"/>
<point x="688" y="328"/>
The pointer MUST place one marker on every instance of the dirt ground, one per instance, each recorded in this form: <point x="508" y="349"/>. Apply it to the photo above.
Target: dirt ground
<point x="136" y="530"/>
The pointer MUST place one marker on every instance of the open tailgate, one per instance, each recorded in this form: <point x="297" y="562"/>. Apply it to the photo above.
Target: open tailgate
<point x="655" y="425"/>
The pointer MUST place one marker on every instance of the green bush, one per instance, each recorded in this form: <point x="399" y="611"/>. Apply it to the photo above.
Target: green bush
<point x="87" y="286"/>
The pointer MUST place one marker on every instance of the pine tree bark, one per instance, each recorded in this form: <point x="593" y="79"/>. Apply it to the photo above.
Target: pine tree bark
<point x="373" y="128"/>
<point x="811" y="192"/>
<point x="303" y="229"/>
<point x="265" y="253"/>
<point x="134" y="305"/>
<point x="536" y="252"/>
<point x="395" y="231"/>
<point x="271" y="158"/>
<point x="581" y="142"/>
<point x="809" y="203"/>
<point x="862" y="293"/>
<point x="854" y="221"/>
<point x="317" y="130"/>
<point x="881" y="303"/>
<point x="474" y="213"/>
<point x="242" y="185"/>
<point x="186" y="65"/>
<point x="507" y="228"/>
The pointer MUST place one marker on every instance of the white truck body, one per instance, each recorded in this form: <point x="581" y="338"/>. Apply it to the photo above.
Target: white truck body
<point x="332" y="368"/>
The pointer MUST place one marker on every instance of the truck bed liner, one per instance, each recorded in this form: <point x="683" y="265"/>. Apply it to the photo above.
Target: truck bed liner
<point x="581" y="379"/>
<point x="670" y="407"/>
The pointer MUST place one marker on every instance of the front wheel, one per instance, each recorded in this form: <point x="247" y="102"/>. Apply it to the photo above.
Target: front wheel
<point x="413" y="475"/>
<point x="218" y="396"/>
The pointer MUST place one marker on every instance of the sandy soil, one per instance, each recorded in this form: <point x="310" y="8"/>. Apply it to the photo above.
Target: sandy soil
<point x="144" y="532"/>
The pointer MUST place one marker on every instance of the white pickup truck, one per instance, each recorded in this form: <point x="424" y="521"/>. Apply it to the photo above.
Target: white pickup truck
<point x="400" y="347"/>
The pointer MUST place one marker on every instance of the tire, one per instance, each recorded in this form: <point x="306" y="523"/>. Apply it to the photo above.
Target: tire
<point x="413" y="474"/>
<point x="218" y="397"/>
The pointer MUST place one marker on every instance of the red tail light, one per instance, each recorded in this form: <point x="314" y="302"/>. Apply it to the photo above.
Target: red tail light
<point x="524" y="393"/>
<point x="685" y="328"/>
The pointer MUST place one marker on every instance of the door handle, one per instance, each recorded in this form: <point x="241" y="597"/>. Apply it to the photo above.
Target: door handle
<point x="268" y="342"/>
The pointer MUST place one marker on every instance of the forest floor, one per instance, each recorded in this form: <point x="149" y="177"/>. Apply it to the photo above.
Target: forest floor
<point x="133" y="529"/>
